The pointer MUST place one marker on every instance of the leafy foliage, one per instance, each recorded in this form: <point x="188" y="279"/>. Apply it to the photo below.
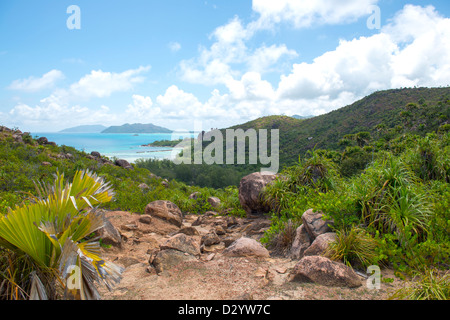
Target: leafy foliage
<point x="47" y="238"/>
<point x="429" y="285"/>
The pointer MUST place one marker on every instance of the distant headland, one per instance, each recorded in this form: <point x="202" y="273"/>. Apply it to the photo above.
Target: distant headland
<point x="126" y="128"/>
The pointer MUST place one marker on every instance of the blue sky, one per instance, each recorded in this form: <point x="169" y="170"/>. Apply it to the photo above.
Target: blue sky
<point x="218" y="62"/>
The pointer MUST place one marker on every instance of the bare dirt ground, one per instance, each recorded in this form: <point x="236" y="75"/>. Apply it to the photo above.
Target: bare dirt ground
<point x="214" y="276"/>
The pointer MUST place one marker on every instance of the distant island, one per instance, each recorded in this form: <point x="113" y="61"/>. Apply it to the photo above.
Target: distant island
<point x="137" y="128"/>
<point x="164" y="143"/>
<point x="85" y="129"/>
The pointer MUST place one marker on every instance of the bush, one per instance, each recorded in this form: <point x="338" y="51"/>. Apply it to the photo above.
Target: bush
<point x="427" y="285"/>
<point x="355" y="247"/>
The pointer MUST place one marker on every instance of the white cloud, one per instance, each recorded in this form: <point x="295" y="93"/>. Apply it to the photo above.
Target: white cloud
<point x="424" y="38"/>
<point x="62" y="107"/>
<point x="53" y="116"/>
<point x="361" y="65"/>
<point x="229" y="57"/>
<point x="396" y="57"/>
<point x="141" y="109"/>
<point x="264" y="58"/>
<point x="176" y="103"/>
<point x="412" y="49"/>
<point x="33" y="84"/>
<point x="303" y="14"/>
<point x="100" y="84"/>
<point x="174" y="46"/>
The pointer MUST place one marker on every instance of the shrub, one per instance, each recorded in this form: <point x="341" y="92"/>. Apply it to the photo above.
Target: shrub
<point x="281" y="240"/>
<point x="354" y="247"/>
<point x="44" y="240"/>
<point x="427" y="285"/>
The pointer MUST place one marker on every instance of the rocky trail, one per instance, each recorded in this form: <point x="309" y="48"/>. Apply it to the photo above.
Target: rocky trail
<point x="169" y="256"/>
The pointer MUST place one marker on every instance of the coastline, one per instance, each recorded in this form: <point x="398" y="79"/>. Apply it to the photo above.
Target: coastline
<point x="127" y="146"/>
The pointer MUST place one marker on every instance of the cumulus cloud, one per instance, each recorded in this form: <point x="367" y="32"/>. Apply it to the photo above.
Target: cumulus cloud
<point x="229" y="54"/>
<point x="396" y="57"/>
<point x="33" y="84"/>
<point x="302" y="14"/>
<point x="53" y="116"/>
<point x="100" y="84"/>
<point x="410" y="50"/>
<point x="63" y="107"/>
<point x="142" y="108"/>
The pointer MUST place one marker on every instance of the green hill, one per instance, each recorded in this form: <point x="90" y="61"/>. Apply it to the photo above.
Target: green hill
<point x="350" y="136"/>
<point x="383" y="114"/>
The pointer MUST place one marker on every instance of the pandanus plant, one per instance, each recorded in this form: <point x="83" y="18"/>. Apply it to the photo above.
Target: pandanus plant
<point x="47" y="250"/>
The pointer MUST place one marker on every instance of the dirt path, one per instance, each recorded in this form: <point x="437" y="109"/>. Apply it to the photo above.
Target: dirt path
<point x="214" y="276"/>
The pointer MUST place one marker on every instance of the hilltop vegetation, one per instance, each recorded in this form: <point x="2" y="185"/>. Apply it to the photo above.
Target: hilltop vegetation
<point x="24" y="161"/>
<point x="384" y="115"/>
<point x="351" y="136"/>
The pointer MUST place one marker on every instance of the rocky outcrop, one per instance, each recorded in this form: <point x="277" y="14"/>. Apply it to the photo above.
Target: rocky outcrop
<point x="176" y="250"/>
<point x="321" y="270"/>
<point x="167" y="259"/>
<point x="210" y="239"/>
<point x="214" y="202"/>
<point x="246" y="247"/>
<point x="183" y="243"/>
<point x="314" y="223"/>
<point x="123" y="163"/>
<point x="144" y="186"/>
<point x="96" y="154"/>
<point x="312" y="237"/>
<point x="165" y="210"/>
<point x="110" y="235"/>
<point x="250" y="195"/>
<point x="301" y="242"/>
<point x="42" y="140"/>
<point x="194" y="195"/>
<point x="320" y="245"/>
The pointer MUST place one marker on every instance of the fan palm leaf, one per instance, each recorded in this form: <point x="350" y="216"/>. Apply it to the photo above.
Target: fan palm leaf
<point x="52" y="232"/>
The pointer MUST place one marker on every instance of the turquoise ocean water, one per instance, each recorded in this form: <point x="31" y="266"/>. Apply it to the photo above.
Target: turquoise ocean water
<point x="123" y="146"/>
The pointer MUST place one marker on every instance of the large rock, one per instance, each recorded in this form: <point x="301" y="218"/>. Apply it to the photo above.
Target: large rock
<point x="300" y="244"/>
<point x="165" y="210"/>
<point x="214" y="202"/>
<point x="194" y="195"/>
<point x="315" y="224"/>
<point x="110" y="235"/>
<point x="96" y="154"/>
<point x="250" y="192"/>
<point x="42" y="140"/>
<point x="246" y="247"/>
<point x="183" y="243"/>
<point x="210" y="239"/>
<point x="167" y="259"/>
<point x="189" y="231"/>
<point x="123" y="163"/>
<point x="321" y="244"/>
<point x="323" y="271"/>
